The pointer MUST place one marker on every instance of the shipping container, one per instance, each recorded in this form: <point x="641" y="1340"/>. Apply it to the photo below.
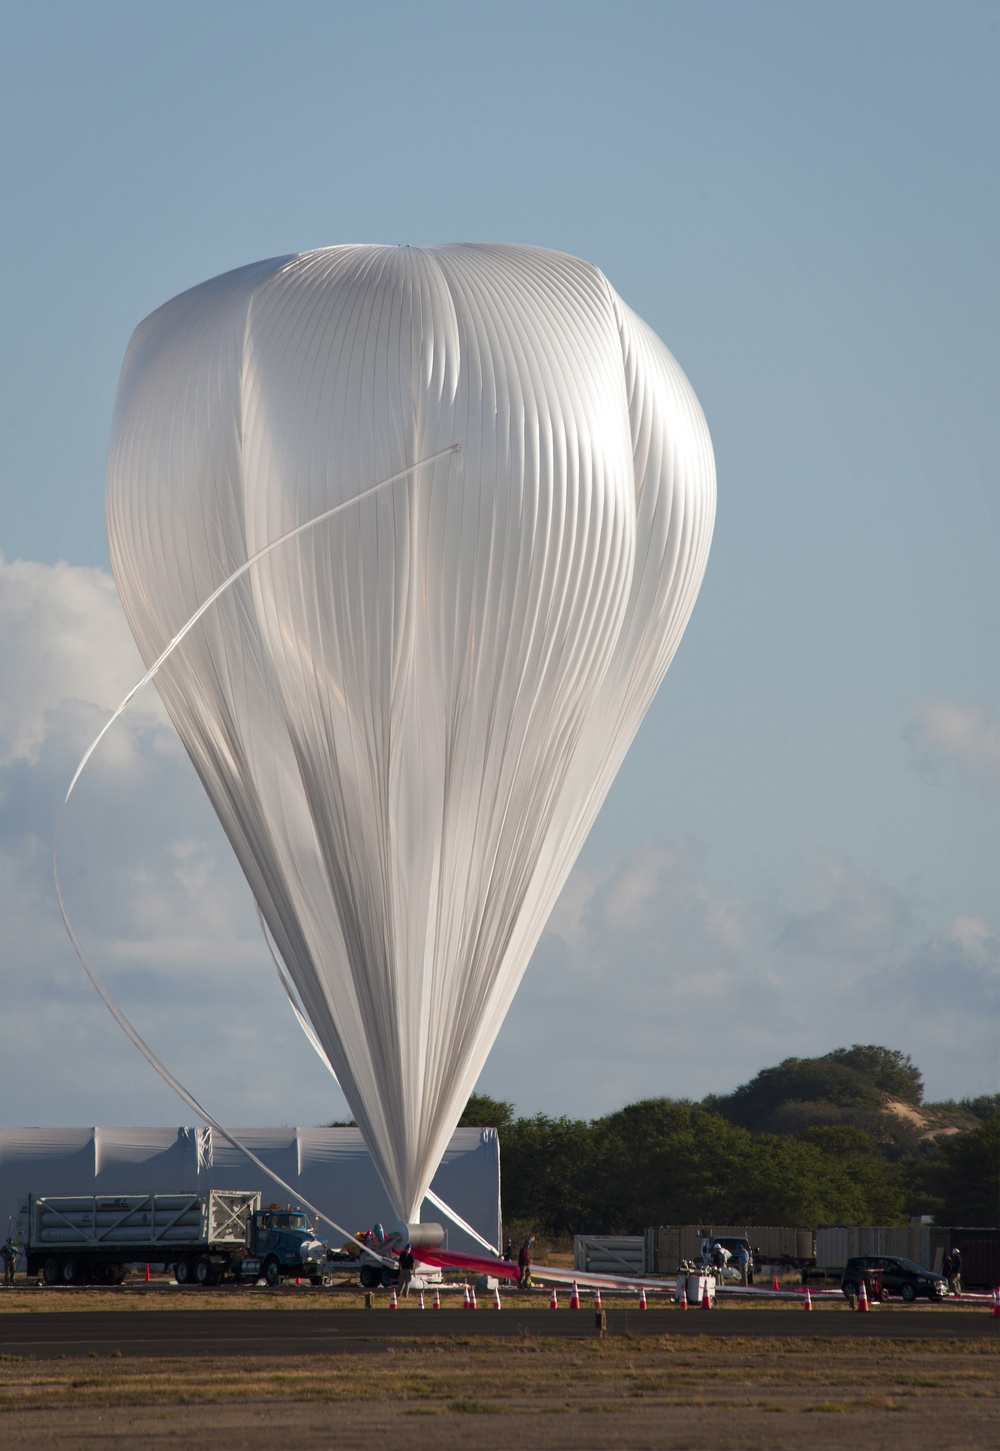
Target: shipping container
<point x="980" y="1250"/>
<point x="838" y="1243"/>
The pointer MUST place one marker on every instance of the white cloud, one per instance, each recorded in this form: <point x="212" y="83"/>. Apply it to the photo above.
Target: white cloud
<point x="63" y="638"/>
<point x="940" y="732"/>
<point x="697" y="990"/>
<point x="152" y="886"/>
<point x="654" y="975"/>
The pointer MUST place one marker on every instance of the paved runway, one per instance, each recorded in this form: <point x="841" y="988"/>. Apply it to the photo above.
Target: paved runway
<point x="345" y="1332"/>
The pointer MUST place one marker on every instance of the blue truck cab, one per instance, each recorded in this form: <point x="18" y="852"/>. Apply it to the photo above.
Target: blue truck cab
<point x="281" y="1243"/>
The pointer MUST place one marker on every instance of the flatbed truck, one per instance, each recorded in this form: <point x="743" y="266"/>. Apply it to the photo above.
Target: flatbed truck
<point x="205" y="1238"/>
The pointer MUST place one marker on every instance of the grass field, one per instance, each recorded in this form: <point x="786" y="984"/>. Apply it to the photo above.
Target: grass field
<point x="627" y="1392"/>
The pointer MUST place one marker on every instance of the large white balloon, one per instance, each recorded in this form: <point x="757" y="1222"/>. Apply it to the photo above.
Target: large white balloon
<point x="407" y="718"/>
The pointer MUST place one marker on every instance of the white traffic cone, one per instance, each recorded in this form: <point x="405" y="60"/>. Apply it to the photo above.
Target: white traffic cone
<point x="574" y="1298"/>
<point x="642" y="1297"/>
<point x="683" y="1301"/>
<point x="436" y="1302"/>
<point x="393" y="1302"/>
<point x="465" y="1298"/>
<point x="553" y="1299"/>
<point x="472" y="1298"/>
<point x="597" y="1298"/>
<point x="496" y="1298"/>
<point x="420" y="1301"/>
<point x="863" y="1296"/>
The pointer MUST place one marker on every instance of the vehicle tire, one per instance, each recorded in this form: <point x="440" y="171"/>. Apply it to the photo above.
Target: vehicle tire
<point x="272" y="1272"/>
<point x="389" y="1278"/>
<point x="204" y="1272"/>
<point x="370" y="1277"/>
<point x="184" y="1271"/>
<point x="909" y="1294"/>
<point x="70" y="1272"/>
<point x="315" y="1279"/>
<point x="884" y="1295"/>
<point x="850" y="1290"/>
<point x="50" y="1272"/>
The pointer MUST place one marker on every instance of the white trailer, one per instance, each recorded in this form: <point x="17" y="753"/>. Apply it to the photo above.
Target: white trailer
<point x="68" y="1239"/>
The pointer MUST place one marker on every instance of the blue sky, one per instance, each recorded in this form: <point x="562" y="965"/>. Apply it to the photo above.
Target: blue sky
<point x="802" y="848"/>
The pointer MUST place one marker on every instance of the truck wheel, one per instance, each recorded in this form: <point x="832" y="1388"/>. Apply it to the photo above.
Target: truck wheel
<point x="70" y="1272"/>
<point x="184" y="1271"/>
<point x="204" y="1272"/>
<point x="272" y="1272"/>
<point x="50" y="1272"/>
<point x="371" y="1277"/>
<point x="315" y="1279"/>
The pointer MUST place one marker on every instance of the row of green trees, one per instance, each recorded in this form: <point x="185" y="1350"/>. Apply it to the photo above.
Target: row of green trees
<point x="809" y="1142"/>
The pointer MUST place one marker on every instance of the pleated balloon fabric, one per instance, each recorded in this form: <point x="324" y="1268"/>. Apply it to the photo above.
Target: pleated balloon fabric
<point x="407" y="717"/>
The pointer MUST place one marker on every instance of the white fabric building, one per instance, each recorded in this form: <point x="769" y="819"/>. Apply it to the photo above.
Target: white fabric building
<point x="331" y="1167"/>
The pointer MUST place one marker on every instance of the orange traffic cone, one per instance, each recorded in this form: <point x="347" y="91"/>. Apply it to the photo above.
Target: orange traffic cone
<point x="574" y="1299"/>
<point x="642" y="1297"/>
<point x="774" y="1283"/>
<point x="683" y="1301"/>
<point x="496" y="1298"/>
<point x="298" y="1279"/>
<point x="420" y="1301"/>
<point x="996" y="1304"/>
<point x="706" y="1299"/>
<point x="147" y="1274"/>
<point x="436" y="1302"/>
<point x="597" y="1298"/>
<point x="808" y="1300"/>
<point x="553" y="1299"/>
<point x="393" y="1302"/>
<point x="465" y="1297"/>
<point x="472" y="1298"/>
<point x="863" y="1296"/>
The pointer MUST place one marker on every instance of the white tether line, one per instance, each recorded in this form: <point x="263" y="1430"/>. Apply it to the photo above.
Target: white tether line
<point x="123" y="1022"/>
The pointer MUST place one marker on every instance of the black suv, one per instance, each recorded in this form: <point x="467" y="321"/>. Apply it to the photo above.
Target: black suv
<point x="899" y="1277"/>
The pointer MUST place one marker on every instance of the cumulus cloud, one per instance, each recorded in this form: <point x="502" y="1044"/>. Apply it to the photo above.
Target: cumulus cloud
<point x="697" y="989"/>
<point x="655" y="975"/>
<point x="943" y="732"/>
<point x="63" y="640"/>
<point x="151" y="883"/>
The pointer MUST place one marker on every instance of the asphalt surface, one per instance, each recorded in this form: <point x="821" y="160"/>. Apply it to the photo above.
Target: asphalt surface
<point x="345" y="1332"/>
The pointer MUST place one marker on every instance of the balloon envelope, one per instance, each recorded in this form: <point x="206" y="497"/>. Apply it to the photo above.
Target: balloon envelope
<point x="407" y="717"/>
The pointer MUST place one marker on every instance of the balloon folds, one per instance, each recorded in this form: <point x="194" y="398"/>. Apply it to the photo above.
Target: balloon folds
<point x="408" y="716"/>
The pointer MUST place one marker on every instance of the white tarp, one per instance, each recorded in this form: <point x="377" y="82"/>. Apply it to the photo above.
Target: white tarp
<point x="407" y="718"/>
<point x="331" y="1167"/>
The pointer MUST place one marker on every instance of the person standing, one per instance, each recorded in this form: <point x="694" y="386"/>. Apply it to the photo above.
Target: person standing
<point x="8" y="1253"/>
<point x="406" y="1263"/>
<point x="524" y="1265"/>
<point x="743" y="1264"/>
<point x="953" y="1272"/>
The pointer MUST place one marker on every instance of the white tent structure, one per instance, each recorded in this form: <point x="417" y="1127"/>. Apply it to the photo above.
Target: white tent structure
<point x="330" y="1166"/>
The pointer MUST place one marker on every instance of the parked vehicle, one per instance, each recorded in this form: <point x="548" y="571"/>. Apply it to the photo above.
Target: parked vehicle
<point x="899" y="1277"/>
<point x="205" y="1238"/>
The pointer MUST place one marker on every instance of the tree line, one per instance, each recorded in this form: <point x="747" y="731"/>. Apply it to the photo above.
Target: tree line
<point x="811" y="1141"/>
